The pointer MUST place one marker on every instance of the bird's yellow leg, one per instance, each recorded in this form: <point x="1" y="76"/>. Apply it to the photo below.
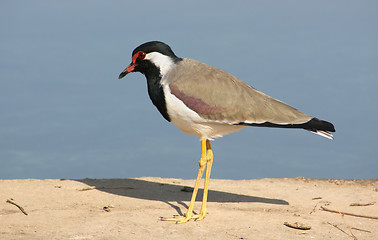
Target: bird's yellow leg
<point x="202" y="165"/>
<point x="209" y="163"/>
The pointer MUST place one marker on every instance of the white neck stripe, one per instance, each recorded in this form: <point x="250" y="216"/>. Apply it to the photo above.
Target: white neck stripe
<point x="163" y="62"/>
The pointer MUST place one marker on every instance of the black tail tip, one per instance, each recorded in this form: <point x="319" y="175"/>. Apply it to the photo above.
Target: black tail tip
<point x="318" y="124"/>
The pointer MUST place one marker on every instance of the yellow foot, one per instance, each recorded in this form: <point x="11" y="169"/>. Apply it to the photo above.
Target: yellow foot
<point x="200" y="216"/>
<point x="184" y="219"/>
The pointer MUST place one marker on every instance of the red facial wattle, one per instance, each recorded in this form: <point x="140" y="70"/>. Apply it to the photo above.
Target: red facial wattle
<point x="136" y="57"/>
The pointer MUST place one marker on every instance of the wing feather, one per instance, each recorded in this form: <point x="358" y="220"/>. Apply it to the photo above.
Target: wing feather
<point x="219" y="96"/>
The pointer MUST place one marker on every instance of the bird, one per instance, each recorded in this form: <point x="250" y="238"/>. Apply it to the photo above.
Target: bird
<point x="209" y="103"/>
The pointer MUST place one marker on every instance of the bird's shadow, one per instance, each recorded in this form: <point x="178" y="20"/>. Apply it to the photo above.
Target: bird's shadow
<point x="142" y="189"/>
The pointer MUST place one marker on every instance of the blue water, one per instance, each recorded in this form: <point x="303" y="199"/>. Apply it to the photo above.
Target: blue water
<point x="64" y="113"/>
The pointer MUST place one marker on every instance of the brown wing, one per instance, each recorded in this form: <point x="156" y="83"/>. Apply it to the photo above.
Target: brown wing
<point x="219" y="96"/>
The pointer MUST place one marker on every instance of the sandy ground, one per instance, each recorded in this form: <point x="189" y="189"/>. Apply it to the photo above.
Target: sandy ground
<point x="247" y="209"/>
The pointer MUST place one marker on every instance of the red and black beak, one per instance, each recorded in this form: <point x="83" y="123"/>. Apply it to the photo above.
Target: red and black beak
<point x="128" y="70"/>
<point x="139" y="56"/>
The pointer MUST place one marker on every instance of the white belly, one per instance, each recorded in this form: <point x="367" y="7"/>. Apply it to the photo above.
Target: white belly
<point x="190" y="122"/>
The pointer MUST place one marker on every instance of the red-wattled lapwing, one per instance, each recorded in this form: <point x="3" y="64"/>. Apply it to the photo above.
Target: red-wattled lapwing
<point x="207" y="102"/>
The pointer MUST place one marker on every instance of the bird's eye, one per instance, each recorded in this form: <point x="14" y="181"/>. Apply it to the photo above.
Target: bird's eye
<point x="141" y="55"/>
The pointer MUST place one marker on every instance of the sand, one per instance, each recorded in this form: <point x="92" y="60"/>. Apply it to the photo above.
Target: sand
<point x="238" y="209"/>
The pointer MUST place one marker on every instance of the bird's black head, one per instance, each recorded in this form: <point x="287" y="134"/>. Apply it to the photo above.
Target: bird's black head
<point x="151" y="58"/>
